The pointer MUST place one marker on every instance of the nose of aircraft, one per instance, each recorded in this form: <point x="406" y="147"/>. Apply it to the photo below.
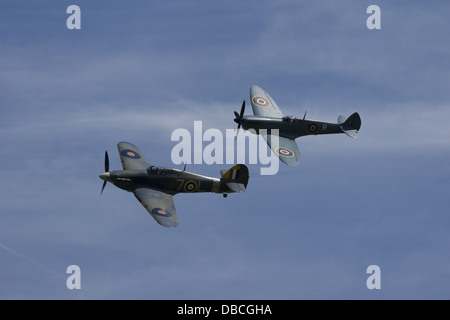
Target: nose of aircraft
<point x="105" y="176"/>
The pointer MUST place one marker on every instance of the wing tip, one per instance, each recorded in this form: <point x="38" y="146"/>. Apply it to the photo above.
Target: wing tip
<point x="166" y="222"/>
<point x="171" y="225"/>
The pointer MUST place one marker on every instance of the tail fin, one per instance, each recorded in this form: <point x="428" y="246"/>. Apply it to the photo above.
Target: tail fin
<point x="235" y="178"/>
<point x="350" y="125"/>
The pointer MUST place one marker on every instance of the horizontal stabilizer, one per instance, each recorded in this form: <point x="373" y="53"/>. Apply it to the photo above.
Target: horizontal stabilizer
<point x="351" y="125"/>
<point x="235" y="178"/>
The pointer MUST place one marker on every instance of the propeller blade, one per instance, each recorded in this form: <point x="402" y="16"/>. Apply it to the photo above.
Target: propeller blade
<point x="106" y="162"/>
<point x="106" y="170"/>
<point x="242" y="109"/>
<point x="239" y="117"/>
<point x="103" y="187"/>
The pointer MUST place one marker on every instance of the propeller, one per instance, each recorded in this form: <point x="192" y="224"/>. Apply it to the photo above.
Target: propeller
<point x="105" y="176"/>
<point x="238" y="116"/>
<point x="106" y="162"/>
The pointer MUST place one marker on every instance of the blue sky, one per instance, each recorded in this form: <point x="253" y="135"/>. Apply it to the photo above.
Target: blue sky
<point x="136" y="72"/>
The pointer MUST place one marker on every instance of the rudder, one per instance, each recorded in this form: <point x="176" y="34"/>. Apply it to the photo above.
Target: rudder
<point x="235" y="178"/>
<point x="351" y="125"/>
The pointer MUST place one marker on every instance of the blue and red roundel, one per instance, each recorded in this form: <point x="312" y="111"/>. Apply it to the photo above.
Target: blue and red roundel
<point x="313" y="127"/>
<point x="261" y="102"/>
<point x="161" y="212"/>
<point x="284" y="152"/>
<point x="130" y="154"/>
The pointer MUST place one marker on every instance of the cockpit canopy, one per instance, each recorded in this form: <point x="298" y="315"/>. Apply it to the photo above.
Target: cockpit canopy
<point x="290" y="119"/>
<point x="153" y="170"/>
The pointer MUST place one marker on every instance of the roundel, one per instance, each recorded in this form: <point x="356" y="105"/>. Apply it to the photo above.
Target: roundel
<point x="190" y="186"/>
<point x="261" y="102"/>
<point x="284" y="152"/>
<point x="312" y="127"/>
<point x="161" y="212"/>
<point x="130" y="154"/>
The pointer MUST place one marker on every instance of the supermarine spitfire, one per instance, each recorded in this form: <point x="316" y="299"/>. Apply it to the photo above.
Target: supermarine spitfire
<point x="268" y="116"/>
<point x="154" y="187"/>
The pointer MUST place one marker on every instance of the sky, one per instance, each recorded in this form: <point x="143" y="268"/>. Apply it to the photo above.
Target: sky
<point x="138" y="71"/>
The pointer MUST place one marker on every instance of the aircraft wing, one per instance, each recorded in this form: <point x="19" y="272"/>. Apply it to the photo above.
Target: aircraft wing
<point x="131" y="157"/>
<point x="159" y="204"/>
<point x="263" y="104"/>
<point x="286" y="149"/>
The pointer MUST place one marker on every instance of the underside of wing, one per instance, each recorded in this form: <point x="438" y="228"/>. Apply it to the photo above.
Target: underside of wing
<point x="286" y="149"/>
<point x="160" y="205"/>
<point x="263" y="105"/>
<point x="131" y="157"/>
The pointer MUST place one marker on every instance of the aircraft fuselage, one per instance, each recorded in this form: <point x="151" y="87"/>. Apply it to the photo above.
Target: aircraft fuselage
<point x="171" y="181"/>
<point x="290" y="127"/>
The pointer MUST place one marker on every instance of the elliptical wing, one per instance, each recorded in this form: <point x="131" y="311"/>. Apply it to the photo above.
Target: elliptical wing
<point x="262" y="103"/>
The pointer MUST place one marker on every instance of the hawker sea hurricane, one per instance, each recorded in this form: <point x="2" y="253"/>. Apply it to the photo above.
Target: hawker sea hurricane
<point x="269" y="117"/>
<point x="155" y="187"/>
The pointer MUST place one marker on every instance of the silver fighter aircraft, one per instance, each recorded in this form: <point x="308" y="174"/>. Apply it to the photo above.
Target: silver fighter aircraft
<point x="154" y="187"/>
<point x="268" y="116"/>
